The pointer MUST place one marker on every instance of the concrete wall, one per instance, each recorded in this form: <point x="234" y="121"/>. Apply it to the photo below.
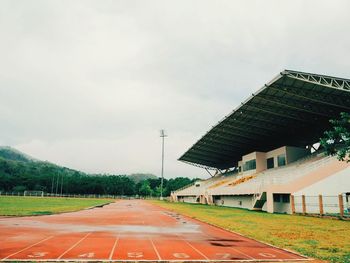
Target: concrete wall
<point x="240" y="166"/>
<point x="282" y="207"/>
<point x="260" y="162"/>
<point x="292" y="154"/>
<point x="187" y="199"/>
<point x="241" y="201"/>
<point x="330" y="187"/>
<point x="334" y="184"/>
<point x="248" y="157"/>
<point x="274" y="153"/>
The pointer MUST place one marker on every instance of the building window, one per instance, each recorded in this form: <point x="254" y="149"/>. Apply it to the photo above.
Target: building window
<point x="285" y="198"/>
<point x="276" y="198"/>
<point x="281" y="160"/>
<point x="281" y="198"/>
<point x="250" y="165"/>
<point x="270" y="163"/>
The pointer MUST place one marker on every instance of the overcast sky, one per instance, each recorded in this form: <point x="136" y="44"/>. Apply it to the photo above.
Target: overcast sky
<point x="88" y="84"/>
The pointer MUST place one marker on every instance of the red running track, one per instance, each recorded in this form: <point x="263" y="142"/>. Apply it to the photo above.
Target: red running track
<point x="127" y="230"/>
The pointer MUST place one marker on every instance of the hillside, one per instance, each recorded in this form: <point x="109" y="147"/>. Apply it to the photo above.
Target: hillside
<point x="20" y="172"/>
<point x="141" y="177"/>
<point x="9" y="153"/>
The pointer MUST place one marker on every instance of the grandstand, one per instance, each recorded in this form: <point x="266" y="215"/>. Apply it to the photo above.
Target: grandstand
<point x="267" y="149"/>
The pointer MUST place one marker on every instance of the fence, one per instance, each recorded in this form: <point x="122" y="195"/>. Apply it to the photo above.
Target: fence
<point x="39" y="194"/>
<point x="323" y="205"/>
<point x="63" y="195"/>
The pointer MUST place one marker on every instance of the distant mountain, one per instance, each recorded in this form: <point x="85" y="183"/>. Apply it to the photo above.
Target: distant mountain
<point x="141" y="177"/>
<point x="20" y="172"/>
<point x="12" y="154"/>
<point x="8" y="153"/>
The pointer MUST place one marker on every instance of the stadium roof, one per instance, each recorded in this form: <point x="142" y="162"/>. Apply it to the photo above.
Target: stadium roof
<point x="292" y="109"/>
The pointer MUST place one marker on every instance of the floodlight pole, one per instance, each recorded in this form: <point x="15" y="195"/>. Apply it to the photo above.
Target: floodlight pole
<point x="58" y="178"/>
<point x="61" y="184"/>
<point x="53" y="181"/>
<point x="162" y="135"/>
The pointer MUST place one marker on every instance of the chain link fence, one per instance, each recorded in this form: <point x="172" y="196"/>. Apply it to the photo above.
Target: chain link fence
<point x="325" y="205"/>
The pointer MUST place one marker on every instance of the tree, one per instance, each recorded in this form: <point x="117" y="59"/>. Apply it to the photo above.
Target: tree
<point x="44" y="176"/>
<point x="145" y="189"/>
<point x="337" y="140"/>
<point x="175" y="184"/>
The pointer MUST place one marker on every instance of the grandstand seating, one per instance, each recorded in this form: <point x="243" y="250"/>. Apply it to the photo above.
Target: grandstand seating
<point x="257" y="183"/>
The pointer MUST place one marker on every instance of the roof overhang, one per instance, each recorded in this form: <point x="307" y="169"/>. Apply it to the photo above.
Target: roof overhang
<point x="293" y="109"/>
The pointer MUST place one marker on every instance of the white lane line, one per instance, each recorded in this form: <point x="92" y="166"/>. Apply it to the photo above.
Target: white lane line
<point x="27" y="247"/>
<point x="69" y="249"/>
<point x="155" y="249"/>
<point x="188" y="243"/>
<point x="237" y="250"/>
<point x="210" y="236"/>
<point x="279" y="250"/>
<point x="113" y="248"/>
<point x="234" y="249"/>
<point x="289" y="254"/>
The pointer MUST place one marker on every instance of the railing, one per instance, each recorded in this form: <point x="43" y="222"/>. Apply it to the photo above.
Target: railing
<point x="182" y="188"/>
<point x="283" y="176"/>
<point x="203" y="183"/>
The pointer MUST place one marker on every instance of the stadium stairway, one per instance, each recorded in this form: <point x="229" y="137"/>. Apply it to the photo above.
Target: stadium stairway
<point x="259" y="200"/>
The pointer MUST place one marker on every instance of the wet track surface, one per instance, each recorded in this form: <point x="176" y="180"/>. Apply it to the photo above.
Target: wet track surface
<point x="127" y="230"/>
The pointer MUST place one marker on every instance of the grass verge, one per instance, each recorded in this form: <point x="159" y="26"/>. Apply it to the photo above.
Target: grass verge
<point x="320" y="238"/>
<point x="27" y="206"/>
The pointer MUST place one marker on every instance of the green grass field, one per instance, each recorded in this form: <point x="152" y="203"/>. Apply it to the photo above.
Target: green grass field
<point x="26" y="206"/>
<point x="319" y="238"/>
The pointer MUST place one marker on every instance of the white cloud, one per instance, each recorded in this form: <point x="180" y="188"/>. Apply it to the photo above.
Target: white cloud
<point x="88" y="84"/>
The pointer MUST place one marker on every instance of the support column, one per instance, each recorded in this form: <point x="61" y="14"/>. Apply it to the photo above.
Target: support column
<point x="269" y="202"/>
<point x="303" y="204"/>
<point x="320" y="202"/>
<point x="292" y="204"/>
<point x="341" y="205"/>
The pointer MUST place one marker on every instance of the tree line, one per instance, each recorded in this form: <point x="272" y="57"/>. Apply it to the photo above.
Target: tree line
<point x="18" y="176"/>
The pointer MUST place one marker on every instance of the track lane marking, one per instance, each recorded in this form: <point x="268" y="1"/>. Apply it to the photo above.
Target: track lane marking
<point x="28" y="247"/>
<point x="237" y="250"/>
<point x="214" y="228"/>
<point x="188" y="243"/>
<point x="69" y="249"/>
<point x="281" y="251"/>
<point x="155" y="249"/>
<point x="180" y="238"/>
<point x="113" y="248"/>
<point x="121" y="220"/>
<point x="195" y="249"/>
<point x="229" y="233"/>
<point x="291" y="255"/>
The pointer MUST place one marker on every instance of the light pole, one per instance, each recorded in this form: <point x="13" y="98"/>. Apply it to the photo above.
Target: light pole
<point x="162" y="135"/>
<point x="53" y="181"/>
<point x="58" y="178"/>
<point x="61" y="184"/>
